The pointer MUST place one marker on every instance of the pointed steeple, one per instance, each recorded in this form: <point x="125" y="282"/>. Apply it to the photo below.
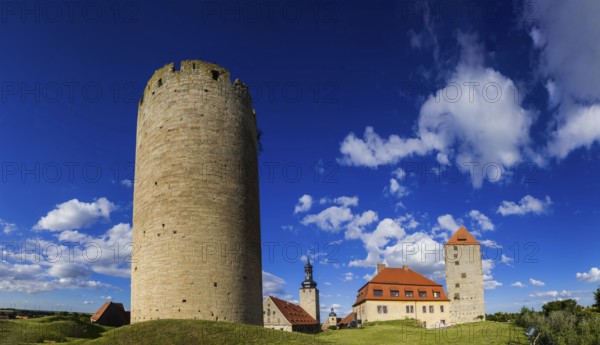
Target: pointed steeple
<point x="307" y="262"/>
<point x="308" y="275"/>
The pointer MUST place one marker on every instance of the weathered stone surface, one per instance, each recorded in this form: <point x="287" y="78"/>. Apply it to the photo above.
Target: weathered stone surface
<point x="464" y="282"/>
<point x="196" y="219"/>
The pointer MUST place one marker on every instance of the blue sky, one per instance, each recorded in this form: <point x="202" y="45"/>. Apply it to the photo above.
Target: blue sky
<point x="386" y="126"/>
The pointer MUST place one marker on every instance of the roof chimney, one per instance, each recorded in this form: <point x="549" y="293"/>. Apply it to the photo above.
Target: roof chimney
<point x="405" y="267"/>
<point x="380" y="267"/>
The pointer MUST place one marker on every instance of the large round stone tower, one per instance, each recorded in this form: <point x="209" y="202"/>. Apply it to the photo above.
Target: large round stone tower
<point x="196" y="221"/>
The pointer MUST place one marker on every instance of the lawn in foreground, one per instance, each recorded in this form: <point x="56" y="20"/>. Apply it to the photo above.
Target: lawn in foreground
<point x="406" y="332"/>
<point x="173" y="332"/>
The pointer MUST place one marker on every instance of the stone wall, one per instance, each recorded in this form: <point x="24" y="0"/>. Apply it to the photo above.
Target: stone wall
<point x="464" y="282"/>
<point x="196" y="221"/>
<point x="309" y="301"/>
<point x="396" y="310"/>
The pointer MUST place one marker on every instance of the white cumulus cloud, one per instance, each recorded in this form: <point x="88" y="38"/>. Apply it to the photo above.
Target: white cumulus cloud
<point x="75" y="214"/>
<point x="527" y="204"/>
<point x="474" y="119"/>
<point x="482" y="220"/>
<point x="592" y="276"/>
<point x="535" y="282"/>
<point x="304" y="204"/>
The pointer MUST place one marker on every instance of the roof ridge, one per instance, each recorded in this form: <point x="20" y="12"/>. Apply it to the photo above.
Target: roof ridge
<point x="462" y="237"/>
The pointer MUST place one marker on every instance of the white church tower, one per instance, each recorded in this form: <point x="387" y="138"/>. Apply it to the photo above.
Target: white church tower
<point x="309" y="294"/>
<point x="464" y="277"/>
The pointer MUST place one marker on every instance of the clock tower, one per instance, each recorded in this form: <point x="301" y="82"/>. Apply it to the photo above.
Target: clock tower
<point x="309" y="294"/>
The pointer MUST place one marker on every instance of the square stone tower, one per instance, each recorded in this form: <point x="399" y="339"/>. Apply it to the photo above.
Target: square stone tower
<point x="309" y="294"/>
<point x="464" y="277"/>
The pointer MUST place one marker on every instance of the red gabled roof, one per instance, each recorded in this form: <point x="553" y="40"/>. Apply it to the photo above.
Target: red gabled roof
<point x="101" y="311"/>
<point x="400" y="280"/>
<point x="404" y="275"/>
<point x="294" y="313"/>
<point x="462" y="236"/>
<point x="114" y="314"/>
<point x="349" y="318"/>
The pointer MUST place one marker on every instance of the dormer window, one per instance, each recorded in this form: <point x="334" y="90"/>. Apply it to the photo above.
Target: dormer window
<point x="378" y="293"/>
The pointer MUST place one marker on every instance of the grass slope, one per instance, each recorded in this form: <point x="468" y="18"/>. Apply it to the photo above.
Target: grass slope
<point x="407" y="332"/>
<point x="71" y="331"/>
<point x="159" y="332"/>
<point x="49" y="329"/>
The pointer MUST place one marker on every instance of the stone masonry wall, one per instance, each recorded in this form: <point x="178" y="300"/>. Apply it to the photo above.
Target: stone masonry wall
<point x="464" y="282"/>
<point x="309" y="301"/>
<point x="196" y="221"/>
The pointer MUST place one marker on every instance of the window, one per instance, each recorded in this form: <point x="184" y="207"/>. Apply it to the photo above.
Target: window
<point x="410" y="309"/>
<point x="424" y="309"/>
<point x="457" y="285"/>
<point x="385" y="309"/>
<point x="395" y="293"/>
<point x="378" y="293"/>
<point x="382" y="309"/>
<point x="457" y="296"/>
<point x="408" y="294"/>
<point x="455" y="247"/>
<point x="442" y="310"/>
<point x="443" y="322"/>
<point x="456" y="256"/>
<point x="436" y="294"/>
<point x="456" y="263"/>
<point x="422" y="294"/>
<point x="463" y="275"/>
<point x="431" y="309"/>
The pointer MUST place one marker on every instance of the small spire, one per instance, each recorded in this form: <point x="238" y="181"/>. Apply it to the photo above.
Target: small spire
<point x="308" y="262"/>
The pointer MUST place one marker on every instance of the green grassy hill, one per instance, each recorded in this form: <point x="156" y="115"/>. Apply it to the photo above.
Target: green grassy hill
<point x="49" y="329"/>
<point x="72" y="331"/>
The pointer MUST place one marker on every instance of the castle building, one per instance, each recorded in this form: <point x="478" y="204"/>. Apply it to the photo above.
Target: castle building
<point x="287" y="316"/>
<point x="291" y="317"/>
<point x="464" y="277"/>
<point x="196" y="217"/>
<point x="401" y="293"/>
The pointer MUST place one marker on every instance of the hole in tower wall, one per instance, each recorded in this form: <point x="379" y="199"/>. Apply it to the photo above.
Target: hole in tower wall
<point x="194" y="65"/>
<point x="160" y="82"/>
<point x="184" y="300"/>
<point x="215" y="284"/>
<point x="215" y="74"/>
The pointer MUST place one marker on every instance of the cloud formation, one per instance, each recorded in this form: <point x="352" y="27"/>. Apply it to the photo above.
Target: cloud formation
<point x="527" y="204"/>
<point x="75" y="214"/>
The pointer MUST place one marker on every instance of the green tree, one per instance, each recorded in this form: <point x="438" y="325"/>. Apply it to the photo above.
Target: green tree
<point x="597" y="297"/>
<point x="568" y="305"/>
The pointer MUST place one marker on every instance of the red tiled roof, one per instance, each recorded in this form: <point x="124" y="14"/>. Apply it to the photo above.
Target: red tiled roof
<point x="110" y="308"/>
<point x="400" y="280"/>
<point x="101" y="311"/>
<point x="462" y="236"/>
<point x="293" y="312"/>
<point x="349" y="318"/>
